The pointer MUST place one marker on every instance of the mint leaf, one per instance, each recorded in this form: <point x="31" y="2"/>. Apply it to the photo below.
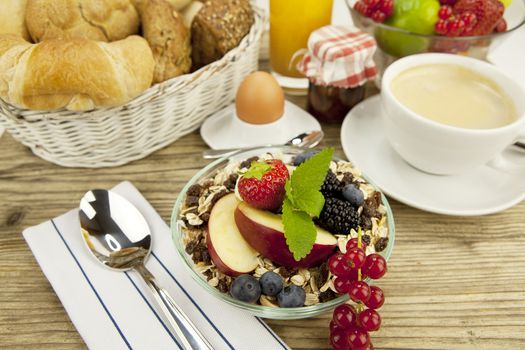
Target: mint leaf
<point x="288" y="189"/>
<point x="307" y="179"/>
<point x="311" y="201"/>
<point x="299" y="230"/>
<point x="257" y="170"/>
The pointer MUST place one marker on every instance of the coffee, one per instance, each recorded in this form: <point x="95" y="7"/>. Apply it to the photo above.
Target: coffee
<point x="453" y="95"/>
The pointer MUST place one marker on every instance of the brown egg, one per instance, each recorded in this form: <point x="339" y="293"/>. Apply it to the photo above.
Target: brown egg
<point x="260" y="99"/>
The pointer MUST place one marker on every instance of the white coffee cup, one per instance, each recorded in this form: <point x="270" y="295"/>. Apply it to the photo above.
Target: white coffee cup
<point x="443" y="149"/>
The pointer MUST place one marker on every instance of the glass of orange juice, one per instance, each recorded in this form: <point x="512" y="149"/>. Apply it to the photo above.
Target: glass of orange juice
<point x="291" y="22"/>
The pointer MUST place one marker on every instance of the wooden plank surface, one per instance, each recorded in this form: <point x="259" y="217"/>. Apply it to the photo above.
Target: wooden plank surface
<point x="453" y="282"/>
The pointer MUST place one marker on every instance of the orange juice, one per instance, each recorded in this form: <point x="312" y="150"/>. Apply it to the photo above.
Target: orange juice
<point x="291" y="22"/>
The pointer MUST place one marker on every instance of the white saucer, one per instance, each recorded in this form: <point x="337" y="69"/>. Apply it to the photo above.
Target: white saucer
<point x="482" y="191"/>
<point x="224" y="130"/>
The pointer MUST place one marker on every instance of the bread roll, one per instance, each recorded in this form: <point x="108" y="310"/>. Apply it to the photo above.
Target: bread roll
<point x="177" y="4"/>
<point x="76" y="74"/>
<point x="218" y="27"/>
<point x="102" y="20"/>
<point x="12" y="18"/>
<point x="169" y="39"/>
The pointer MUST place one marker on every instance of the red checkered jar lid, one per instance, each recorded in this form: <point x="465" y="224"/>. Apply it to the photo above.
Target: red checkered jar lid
<point x="340" y="56"/>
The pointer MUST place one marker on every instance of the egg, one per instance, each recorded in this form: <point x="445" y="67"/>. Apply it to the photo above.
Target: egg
<point x="260" y="99"/>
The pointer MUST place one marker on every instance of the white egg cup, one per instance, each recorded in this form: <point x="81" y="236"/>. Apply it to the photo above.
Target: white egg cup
<point x="225" y="129"/>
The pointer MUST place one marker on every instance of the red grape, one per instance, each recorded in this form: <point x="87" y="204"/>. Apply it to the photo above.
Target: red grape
<point x="339" y="339"/>
<point x="377" y="298"/>
<point x="338" y="265"/>
<point x="345" y="316"/>
<point x="355" y="258"/>
<point x="341" y="285"/>
<point x="375" y="266"/>
<point x="358" y="338"/>
<point x="370" y="320"/>
<point x="359" y="291"/>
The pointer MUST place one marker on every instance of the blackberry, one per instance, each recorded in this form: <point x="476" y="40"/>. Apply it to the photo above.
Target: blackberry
<point x="331" y="187"/>
<point x="338" y="216"/>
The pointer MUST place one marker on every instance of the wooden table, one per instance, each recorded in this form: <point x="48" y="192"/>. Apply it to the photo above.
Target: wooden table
<point x="453" y="282"/>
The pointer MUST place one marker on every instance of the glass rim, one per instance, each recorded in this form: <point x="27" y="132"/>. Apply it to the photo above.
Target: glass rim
<point x="435" y="36"/>
<point x="256" y="309"/>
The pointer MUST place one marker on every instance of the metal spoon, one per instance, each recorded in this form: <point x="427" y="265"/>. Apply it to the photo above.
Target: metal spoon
<point x="307" y="139"/>
<point x="119" y="237"/>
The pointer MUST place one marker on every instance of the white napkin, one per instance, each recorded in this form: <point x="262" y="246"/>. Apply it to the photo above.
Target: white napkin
<point x="114" y="310"/>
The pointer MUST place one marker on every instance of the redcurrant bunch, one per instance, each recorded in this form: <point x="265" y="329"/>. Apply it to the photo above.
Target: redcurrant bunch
<point x="378" y="10"/>
<point x="350" y="325"/>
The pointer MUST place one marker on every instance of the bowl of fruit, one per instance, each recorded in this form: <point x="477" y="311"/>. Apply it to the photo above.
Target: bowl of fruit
<point x="406" y="27"/>
<point x="285" y="233"/>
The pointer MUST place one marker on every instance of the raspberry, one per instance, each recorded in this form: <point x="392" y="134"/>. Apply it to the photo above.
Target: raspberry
<point x="262" y="186"/>
<point x="338" y="216"/>
<point x="487" y="12"/>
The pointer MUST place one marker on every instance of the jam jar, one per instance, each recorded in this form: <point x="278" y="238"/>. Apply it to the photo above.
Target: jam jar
<point x="338" y="63"/>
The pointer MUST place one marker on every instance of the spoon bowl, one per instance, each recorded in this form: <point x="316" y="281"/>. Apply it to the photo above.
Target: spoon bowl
<point x="119" y="237"/>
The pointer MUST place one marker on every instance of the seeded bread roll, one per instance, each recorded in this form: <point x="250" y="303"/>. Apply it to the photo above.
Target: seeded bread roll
<point x="12" y="18"/>
<point x="169" y="39"/>
<point x="76" y="74"/>
<point x="102" y="20"/>
<point x="218" y="27"/>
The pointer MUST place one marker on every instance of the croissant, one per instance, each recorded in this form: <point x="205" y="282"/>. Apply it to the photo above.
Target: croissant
<point x="76" y="74"/>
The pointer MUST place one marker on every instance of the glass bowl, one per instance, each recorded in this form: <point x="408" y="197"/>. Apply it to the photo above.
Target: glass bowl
<point x="394" y="43"/>
<point x="255" y="309"/>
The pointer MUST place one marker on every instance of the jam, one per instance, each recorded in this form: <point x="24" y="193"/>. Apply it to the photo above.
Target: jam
<point x="330" y="104"/>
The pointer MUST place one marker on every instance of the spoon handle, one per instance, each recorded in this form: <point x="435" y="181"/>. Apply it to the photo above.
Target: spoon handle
<point x="219" y="153"/>
<point x="186" y="332"/>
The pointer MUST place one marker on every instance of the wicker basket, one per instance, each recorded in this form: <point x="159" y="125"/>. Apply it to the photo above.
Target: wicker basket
<point x="162" y="114"/>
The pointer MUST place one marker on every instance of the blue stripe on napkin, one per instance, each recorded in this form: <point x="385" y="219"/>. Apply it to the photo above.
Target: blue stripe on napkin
<point x="92" y="287"/>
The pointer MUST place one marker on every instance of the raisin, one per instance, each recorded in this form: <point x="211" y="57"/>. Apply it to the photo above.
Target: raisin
<point x="194" y="190"/>
<point x="370" y="211"/>
<point x="366" y="222"/>
<point x="381" y="244"/>
<point x="248" y="162"/>
<point x="322" y="276"/>
<point x="223" y="286"/>
<point x="374" y="200"/>
<point x="206" y="257"/>
<point x="231" y="181"/>
<point x="192" y="201"/>
<point x="205" y="217"/>
<point x="287" y="272"/>
<point x="208" y="274"/>
<point x="348" y="178"/>
<point x="327" y="295"/>
<point x="366" y="239"/>
<point x="190" y="248"/>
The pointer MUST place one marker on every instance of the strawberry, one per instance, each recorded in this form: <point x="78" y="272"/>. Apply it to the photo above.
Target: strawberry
<point x="262" y="186"/>
<point x="487" y="12"/>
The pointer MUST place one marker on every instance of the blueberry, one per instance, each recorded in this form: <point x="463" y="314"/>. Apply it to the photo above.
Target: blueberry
<point x="246" y="288"/>
<point x="271" y="283"/>
<point x="303" y="157"/>
<point x="353" y="195"/>
<point x="291" y="296"/>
